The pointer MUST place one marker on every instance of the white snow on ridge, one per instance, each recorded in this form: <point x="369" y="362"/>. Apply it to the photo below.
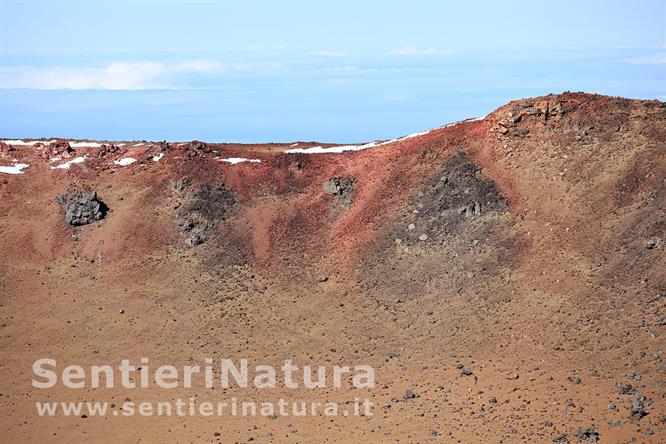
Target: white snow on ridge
<point x="73" y="144"/>
<point x="125" y="161"/>
<point x="344" y="148"/>
<point x="14" y="169"/>
<point x="66" y="165"/>
<point x="85" y="144"/>
<point x="235" y="160"/>
<point x="28" y="143"/>
<point x="157" y="157"/>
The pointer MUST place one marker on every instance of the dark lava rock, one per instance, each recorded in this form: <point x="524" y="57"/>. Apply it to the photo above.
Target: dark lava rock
<point x="561" y="439"/>
<point x="194" y="240"/>
<point x="181" y="184"/>
<point x="589" y="434"/>
<point x="342" y="188"/>
<point x="339" y="186"/>
<point x="637" y="409"/>
<point x="410" y="394"/>
<point x="466" y="195"/>
<point x="625" y="389"/>
<point x="81" y="206"/>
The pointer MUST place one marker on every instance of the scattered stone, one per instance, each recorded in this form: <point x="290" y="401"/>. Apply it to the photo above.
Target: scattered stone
<point x="625" y="389"/>
<point x="637" y="409"/>
<point x="574" y="380"/>
<point x="410" y="394"/>
<point x="589" y="434"/>
<point x="466" y="371"/>
<point x="612" y="406"/>
<point x="561" y="439"/>
<point x="81" y="206"/>
<point x="423" y="237"/>
<point x="322" y="278"/>
<point x="615" y="422"/>
<point x="194" y="240"/>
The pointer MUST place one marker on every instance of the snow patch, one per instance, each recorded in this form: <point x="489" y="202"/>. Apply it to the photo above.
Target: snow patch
<point x="125" y="161"/>
<point x="157" y="157"/>
<point x="84" y="144"/>
<point x="66" y="165"/>
<point x="28" y="143"/>
<point x="14" y="169"/>
<point x="235" y="160"/>
<point x="344" y="148"/>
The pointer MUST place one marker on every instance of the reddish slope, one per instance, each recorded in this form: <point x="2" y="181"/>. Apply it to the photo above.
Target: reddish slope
<point x="527" y="245"/>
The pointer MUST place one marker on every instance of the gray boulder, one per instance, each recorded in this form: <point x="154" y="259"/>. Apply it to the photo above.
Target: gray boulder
<point x="81" y="206"/>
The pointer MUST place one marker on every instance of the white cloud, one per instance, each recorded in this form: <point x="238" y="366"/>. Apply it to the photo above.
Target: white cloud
<point x="115" y="75"/>
<point x="410" y="51"/>
<point x="344" y="69"/>
<point x="652" y="59"/>
<point x="406" y="50"/>
<point x="268" y="48"/>
<point x="332" y="53"/>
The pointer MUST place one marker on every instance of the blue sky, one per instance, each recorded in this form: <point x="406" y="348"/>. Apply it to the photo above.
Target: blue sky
<point x="338" y="71"/>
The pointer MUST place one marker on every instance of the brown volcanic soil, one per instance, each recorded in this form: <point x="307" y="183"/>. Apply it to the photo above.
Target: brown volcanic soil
<point x="542" y="269"/>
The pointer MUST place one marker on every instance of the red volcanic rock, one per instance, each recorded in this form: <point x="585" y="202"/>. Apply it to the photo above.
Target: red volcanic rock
<point x="4" y="148"/>
<point x="60" y="148"/>
<point x="196" y="148"/>
<point x="107" y="148"/>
